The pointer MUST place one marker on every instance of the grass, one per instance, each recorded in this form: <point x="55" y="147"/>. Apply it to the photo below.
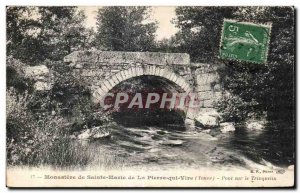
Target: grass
<point x="67" y="154"/>
<point x="37" y="140"/>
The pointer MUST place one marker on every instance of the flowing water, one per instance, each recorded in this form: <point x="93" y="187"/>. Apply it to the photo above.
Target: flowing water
<point x="160" y="148"/>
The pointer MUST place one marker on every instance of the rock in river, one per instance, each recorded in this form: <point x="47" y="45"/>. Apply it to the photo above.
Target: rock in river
<point x="254" y="125"/>
<point x="208" y="119"/>
<point x="227" y="127"/>
<point x="172" y="142"/>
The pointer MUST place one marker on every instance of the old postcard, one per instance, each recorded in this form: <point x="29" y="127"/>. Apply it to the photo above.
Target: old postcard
<point x="119" y="96"/>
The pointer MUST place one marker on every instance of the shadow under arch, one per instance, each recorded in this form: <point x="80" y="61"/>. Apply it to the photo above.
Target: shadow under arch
<point x="99" y="91"/>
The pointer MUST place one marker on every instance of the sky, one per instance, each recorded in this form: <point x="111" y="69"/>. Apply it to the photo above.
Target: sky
<point x="163" y="15"/>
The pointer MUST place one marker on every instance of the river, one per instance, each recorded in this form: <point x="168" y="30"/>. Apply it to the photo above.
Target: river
<point x="161" y="148"/>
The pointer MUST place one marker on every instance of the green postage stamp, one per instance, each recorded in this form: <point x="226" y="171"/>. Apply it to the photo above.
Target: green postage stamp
<point x="245" y="41"/>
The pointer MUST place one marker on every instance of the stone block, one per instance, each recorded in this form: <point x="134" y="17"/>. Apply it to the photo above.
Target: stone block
<point x="202" y="88"/>
<point x="103" y="87"/>
<point x="119" y="77"/>
<point x="207" y="110"/>
<point x="140" y="71"/>
<point x="172" y="77"/>
<point x="180" y="82"/>
<point x="152" y="70"/>
<point x="157" y="71"/>
<point x="91" y="72"/>
<point x="208" y="103"/>
<point x="205" y="68"/>
<point x="186" y="87"/>
<point x="122" y="73"/>
<point x="107" y="85"/>
<point x="217" y="96"/>
<point x="203" y="79"/>
<point x="115" y="80"/>
<point x="206" y="95"/>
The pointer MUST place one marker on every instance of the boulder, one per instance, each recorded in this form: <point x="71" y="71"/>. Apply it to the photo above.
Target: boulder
<point x="189" y="123"/>
<point x="227" y="127"/>
<point x="85" y="134"/>
<point x="208" y="119"/>
<point x="98" y="133"/>
<point x="41" y="86"/>
<point x="41" y="75"/>
<point x="213" y="113"/>
<point x="36" y="72"/>
<point x="254" y="125"/>
<point x="94" y="133"/>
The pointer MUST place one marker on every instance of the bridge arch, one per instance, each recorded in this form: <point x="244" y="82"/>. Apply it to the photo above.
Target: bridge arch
<point x="99" y="92"/>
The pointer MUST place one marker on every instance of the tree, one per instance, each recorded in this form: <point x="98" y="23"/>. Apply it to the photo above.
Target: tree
<point x="200" y="30"/>
<point x="167" y="45"/>
<point x="261" y="88"/>
<point x="67" y="34"/>
<point x="18" y="32"/>
<point x="38" y="33"/>
<point x="271" y="84"/>
<point x="125" y="29"/>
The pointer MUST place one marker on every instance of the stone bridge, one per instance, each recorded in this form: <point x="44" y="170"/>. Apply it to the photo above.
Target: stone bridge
<point x="103" y="70"/>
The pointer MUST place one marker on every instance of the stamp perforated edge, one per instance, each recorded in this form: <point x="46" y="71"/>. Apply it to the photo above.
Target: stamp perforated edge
<point x="268" y="25"/>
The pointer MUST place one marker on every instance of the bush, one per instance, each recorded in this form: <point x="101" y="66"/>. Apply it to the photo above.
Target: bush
<point x="39" y="123"/>
<point x="15" y="76"/>
<point x="234" y="109"/>
<point x="28" y="132"/>
<point x="16" y="112"/>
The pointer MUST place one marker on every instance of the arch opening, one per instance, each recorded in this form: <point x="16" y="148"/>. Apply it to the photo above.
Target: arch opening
<point x="160" y="113"/>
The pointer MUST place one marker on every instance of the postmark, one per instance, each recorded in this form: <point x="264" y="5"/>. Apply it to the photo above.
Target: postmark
<point x="245" y="41"/>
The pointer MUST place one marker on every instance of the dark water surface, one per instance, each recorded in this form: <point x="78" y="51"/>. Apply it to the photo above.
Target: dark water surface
<point x="157" y="147"/>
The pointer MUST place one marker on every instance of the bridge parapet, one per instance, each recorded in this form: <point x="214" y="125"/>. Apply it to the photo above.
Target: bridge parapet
<point x="91" y="58"/>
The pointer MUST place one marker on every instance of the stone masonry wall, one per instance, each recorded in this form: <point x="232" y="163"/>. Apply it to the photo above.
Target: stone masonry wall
<point x="207" y="84"/>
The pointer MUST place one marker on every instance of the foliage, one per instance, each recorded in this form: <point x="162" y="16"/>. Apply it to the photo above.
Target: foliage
<point x="15" y="76"/>
<point x="125" y="29"/>
<point x="38" y="33"/>
<point x="270" y="85"/>
<point x="37" y="139"/>
<point x="25" y="132"/>
<point x="200" y="31"/>
<point x="167" y="45"/>
<point x="235" y="109"/>
<point x="39" y="124"/>
<point x="68" y="91"/>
